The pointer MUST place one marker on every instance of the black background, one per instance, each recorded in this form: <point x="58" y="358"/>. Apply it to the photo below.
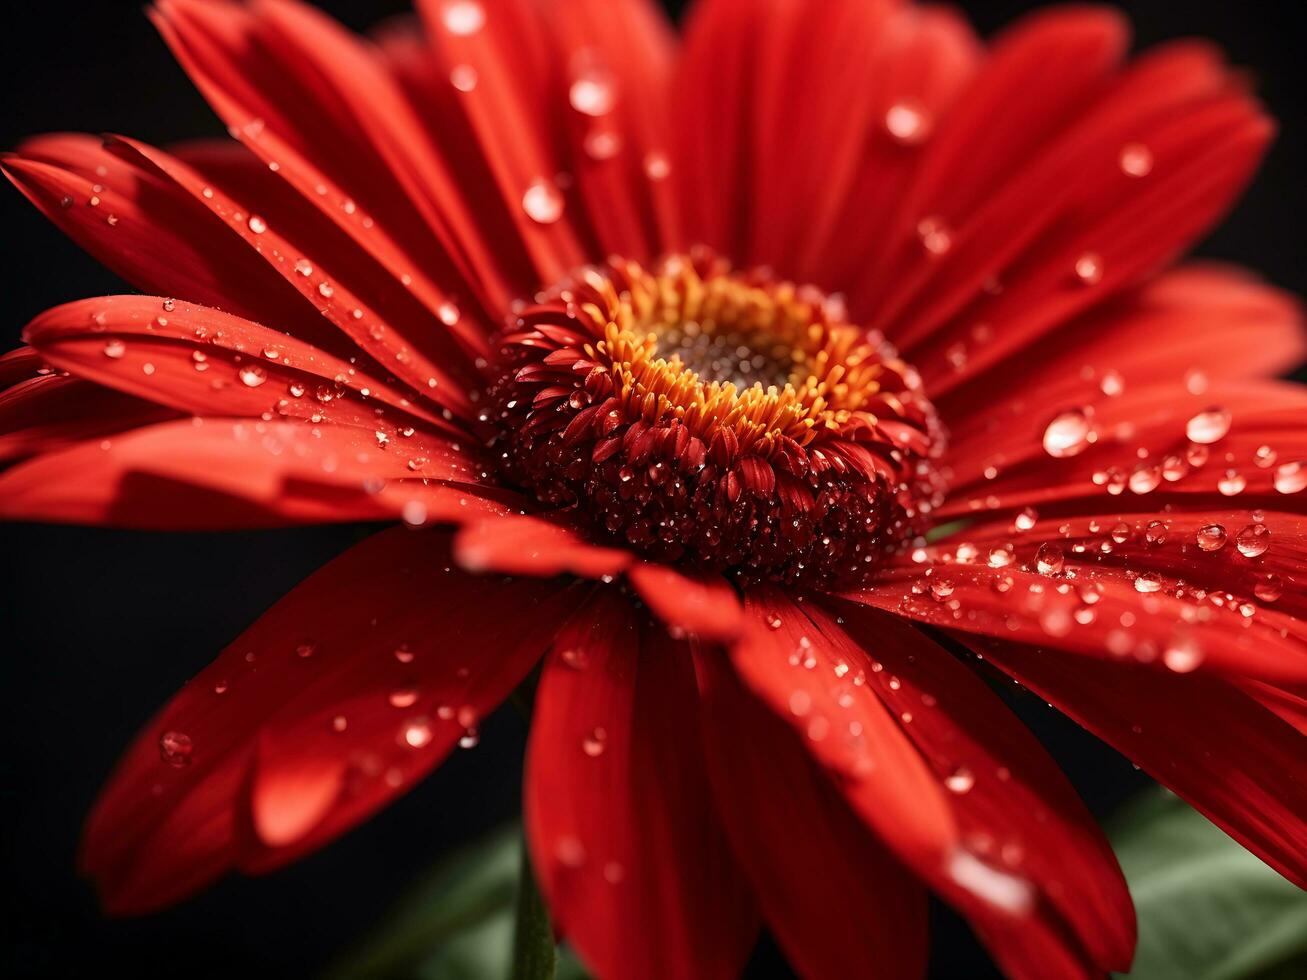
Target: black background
<point x="100" y="627"/>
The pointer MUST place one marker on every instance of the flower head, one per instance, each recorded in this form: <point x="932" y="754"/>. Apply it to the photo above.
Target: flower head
<point x="751" y="387"/>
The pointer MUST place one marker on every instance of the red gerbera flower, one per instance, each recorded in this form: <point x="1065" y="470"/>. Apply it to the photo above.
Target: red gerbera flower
<point x="524" y="280"/>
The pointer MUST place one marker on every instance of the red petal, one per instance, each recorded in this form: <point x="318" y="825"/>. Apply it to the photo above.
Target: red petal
<point x="148" y="231"/>
<point x="201" y="474"/>
<point x="523" y="545"/>
<point x="746" y="192"/>
<point x="1138" y="432"/>
<point x="1201" y="319"/>
<point x="1220" y="750"/>
<point x="810" y="676"/>
<point x="838" y="903"/>
<point x="294" y="87"/>
<point x="1098" y="612"/>
<point x="202" y="361"/>
<point x="703" y="606"/>
<point x="1012" y="803"/>
<point x="159" y="831"/>
<point x="47" y="412"/>
<point x="622" y="830"/>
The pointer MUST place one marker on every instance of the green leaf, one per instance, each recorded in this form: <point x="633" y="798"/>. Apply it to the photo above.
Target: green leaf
<point x="1208" y="910"/>
<point x="457" y="923"/>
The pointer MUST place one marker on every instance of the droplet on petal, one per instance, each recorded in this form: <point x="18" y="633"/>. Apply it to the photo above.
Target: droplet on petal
<point x="1068" y="434"/>
<point x="1291" y="477"/>
<point x="114" y="349"/>
<point x="1253" y="540"/>
<point x="594" y="742"/>
<point x="257" y="225"/>
<point x="175" y="748"/>
<point x="593" y="93"/>
<point x="1269" y="588"/>
<point x="542" y="202"/>
<point x="1211" y="537"/>
<point x="1089" y="269"/>
<point x="908" y="122"/>
<point x="1049" y="559"/>
<point x="1182" y="655"/>
<point x="463" y="17"/>
<point x="961" y="780"/>
<point x="252" y="376"/>
<point x="1208" y="426"/>
<point x="1136" y="160"/>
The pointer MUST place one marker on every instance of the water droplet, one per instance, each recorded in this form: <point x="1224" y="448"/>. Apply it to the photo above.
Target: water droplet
<point x="941" y="588"/>
<point x="1089" y="269"/>
<point x="114" y="349"/>
<point x="305" y="650"/>
<point x="417" y="733"/>
<point x="463" y="77"/>
<point x="594" y="742"/>
<point x="252" y="375"/>
<point x="1000" y="556"/>
<point x="448" y="313"/>
<point x="404" y="697"/>
<point x="1182" y="654"/>
<point x="1136" y="160"/>
<point x="1211" y="537"/>
<point x="1120" y="532"/>
<point x="304" y="267"/>
<point x="542" y="202"/>
<point x="593" y="93"/>
<point x="1026" y="519"/>
<point x="257" y="225"/>
<point x="935" y="235"/>
<point x="657" y="166"/>
<point x="175" y="748"/>
<point x="1291" y="477"/>
<point x="1269" y="588"/>
<point x="575" y="658"/>
<point x="1231" y="483"/>
<point x="463" y="17"/>
<point x="961" y="780"/>
<point x="1155" y="533"/>
<point x="1068" y="434"/>
<point x="1049" y="559"/>
<point x="908" y="122"/>
<point x="414" y="513"/>
<point x="1253" y="540"/>
<point x="1208" y="426"/>
<point x="1148" y="583"/>
<point x="1112" y="384"/>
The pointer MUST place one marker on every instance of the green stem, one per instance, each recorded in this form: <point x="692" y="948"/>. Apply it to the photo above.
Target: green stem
<point x="534" y="955"/>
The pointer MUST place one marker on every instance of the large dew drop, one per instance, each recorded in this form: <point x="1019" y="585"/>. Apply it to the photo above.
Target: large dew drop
<point x="1068" y="434"/>
<point x="542" y="202"/>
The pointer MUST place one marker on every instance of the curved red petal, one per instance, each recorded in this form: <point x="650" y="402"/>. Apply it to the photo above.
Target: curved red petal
<point x="623" y="833"/>
<point x="169" y="820"/>
<point x="837" y="901"/>
<point x="1227" y="755"/>
<point x="703" y="606"/>
<point x="1012" y="803"/>
<point x="204" y="474"/>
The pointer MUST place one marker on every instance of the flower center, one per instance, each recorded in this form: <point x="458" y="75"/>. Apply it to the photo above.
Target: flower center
<point x="723" y="419"/>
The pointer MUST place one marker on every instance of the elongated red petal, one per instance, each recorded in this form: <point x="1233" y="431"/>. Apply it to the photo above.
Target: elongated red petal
<point x="1137" y="445"/>
<point x="203" y="361"/>
<point x="47" y="412"/>
<point x="170" y="819"/>
<point x="624" y="835"/>
<point x="702" y="606"/>
<point x="294" y="87"/>
<point x="1012" y="803"/>
<point x="838" y="903"/>
<point x="1199" y="322"/>
<point x="528" y="545"/>
<point x="205" y="474"/>
<point x="810" y="678"/>
<point x="1234" y="760"/>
